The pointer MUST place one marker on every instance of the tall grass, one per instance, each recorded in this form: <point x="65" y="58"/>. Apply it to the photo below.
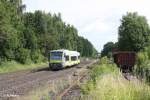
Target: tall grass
<point x="109" y="84"/>
<point x="97" y="73"/>
<point x="142" y="69"/>
<point x="13" y="66"/>
<point x="117" y="88"/>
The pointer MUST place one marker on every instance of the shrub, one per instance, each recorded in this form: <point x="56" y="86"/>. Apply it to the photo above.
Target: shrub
<point x="143" y="64"/>
<point x="147" y="49"/>
<point x="23" y="56"/>
<point x="104" y="60"/>
<point x="96" y="73"/>
<point x="36" y="56"/>
<point x="142" y="57"/>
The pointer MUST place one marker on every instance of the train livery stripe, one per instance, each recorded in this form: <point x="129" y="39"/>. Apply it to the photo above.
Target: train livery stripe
<point x="55" y="61"/>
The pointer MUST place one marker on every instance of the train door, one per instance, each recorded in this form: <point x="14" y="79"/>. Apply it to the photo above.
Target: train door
<point x="67" y="60"/>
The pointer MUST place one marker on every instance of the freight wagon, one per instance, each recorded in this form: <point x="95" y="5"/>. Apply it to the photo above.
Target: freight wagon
<point x="125" y="60"/>
<point x="59" y="59"/>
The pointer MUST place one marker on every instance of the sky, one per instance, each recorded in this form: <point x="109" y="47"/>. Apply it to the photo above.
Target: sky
<point x="96" y="20"/>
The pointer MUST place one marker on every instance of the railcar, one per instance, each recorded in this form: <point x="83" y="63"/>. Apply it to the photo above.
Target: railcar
<point x="59" y="59"/>
<point x="125" y="60"/>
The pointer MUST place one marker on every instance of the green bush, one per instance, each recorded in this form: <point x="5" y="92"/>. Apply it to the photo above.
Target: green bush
<point x="147" y="49"/>
<point x="36" y="56"/>
<point x="142" y="57"/>
<point x="96" y="73"/>
<point x="142" y="68"/>
<point x="104" y="60"/>
<point x="23" y="56"/>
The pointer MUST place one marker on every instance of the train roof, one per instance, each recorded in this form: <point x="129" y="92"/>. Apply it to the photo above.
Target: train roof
<point x="67" y="52"/>
<point x="125" y="52"/>
<point x="60" y="50"/>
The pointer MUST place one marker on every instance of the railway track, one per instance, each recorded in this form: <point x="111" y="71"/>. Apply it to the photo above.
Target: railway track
<point x="75" y="82"/>
<point x="20" y="83"/>
<point x="128" y="76"/>
<point x="61" y="95"/>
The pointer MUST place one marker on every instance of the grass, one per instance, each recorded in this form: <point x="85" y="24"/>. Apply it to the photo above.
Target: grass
<point x="37" y="95"/>
<point x="110" y="85"/>
<point x="49" y="91"/>
<point x="41" y="93"/>
<point x="13" y="66"/>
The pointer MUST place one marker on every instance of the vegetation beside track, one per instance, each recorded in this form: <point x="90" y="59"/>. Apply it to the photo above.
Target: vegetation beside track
<point x="142" y="68"/>
<point x="107" y="83"/>
<point x="13" y="66"/>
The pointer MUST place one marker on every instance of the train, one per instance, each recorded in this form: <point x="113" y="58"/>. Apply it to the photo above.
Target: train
<point x="125" y="60"/>
<point x="59" y="59"/>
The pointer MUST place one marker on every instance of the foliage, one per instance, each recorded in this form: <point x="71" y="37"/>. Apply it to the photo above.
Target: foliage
<point x="104" y="60"/>
<point x="97" y="72"/>
<point x="117" y="88"/>
<point x="103" y="69"/>
<point x="133" y="32"/>
<point x="23" y="56"/>
<point x="143" y="64"/>
<point x="110" y="85"/>
<point x="28" y="37"/>
<point x="107" y="49"/>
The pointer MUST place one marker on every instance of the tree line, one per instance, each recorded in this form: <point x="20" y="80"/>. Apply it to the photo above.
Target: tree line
<point x="133" y="35"/>
<point x="28" y="37"/>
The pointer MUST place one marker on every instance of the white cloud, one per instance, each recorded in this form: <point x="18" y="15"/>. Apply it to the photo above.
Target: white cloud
<point x="97" y="20"/>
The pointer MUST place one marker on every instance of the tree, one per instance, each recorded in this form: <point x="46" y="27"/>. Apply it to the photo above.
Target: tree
<point x="107" y="49"/>
<point x="133" y="32"/>
<point x="85" y="47"/>
<point x="10" y="28"/>
<point x="39" y="23"/>
<point x="28" y="37"/>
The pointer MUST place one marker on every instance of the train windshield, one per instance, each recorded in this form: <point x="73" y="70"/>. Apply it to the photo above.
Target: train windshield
<point x="56" y="55"/>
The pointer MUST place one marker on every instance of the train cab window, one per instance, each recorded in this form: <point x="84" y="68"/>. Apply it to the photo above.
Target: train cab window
<point x="67" y="58"/>
<point x="78" y="57"/>
<point x="73" y="58"/>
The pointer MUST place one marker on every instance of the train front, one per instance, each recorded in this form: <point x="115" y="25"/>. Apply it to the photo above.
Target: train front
<point x="56" y="60"/>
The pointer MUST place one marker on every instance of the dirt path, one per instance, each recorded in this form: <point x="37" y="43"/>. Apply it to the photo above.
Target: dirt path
<point x="20" y="83"/>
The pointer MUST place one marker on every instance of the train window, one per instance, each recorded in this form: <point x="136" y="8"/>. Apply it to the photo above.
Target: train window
<point x="67" y="58"/>
<point x="73" y="58"/>
<point x="78" y="57"/>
